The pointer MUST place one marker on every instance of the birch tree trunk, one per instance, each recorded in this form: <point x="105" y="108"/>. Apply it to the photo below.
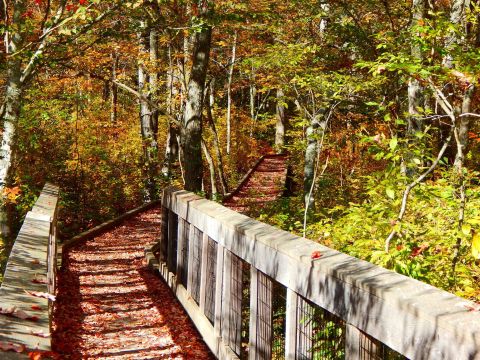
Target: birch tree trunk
<point x="11" y="108"/>
<point x="280" y="126"/>
<point x="229" y="92"/>
<point x="147" y="83"/>
<point x="192" y="125"/>
<point x="415" y="89"/>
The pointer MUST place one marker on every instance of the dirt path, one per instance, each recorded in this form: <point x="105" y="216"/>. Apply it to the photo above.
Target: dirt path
<point x="110" y="306"/>
<point x="265" y="184"/>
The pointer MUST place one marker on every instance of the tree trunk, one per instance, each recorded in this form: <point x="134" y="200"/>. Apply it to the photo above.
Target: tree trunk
<point x="281" y="122"/>
<point x="114" y="89"/>
<point x="229" y="92"/>
<point x="148" y="118"/>
<point x="192" y="126"/>
<point x="216" y="142"/>
<point x="211" y="167"/>
<point x="11" y="109"/>
<point x="314" y="131"/>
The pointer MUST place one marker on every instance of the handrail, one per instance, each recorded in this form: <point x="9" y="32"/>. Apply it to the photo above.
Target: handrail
<point x="333" y="303"/>
<point x="26" y="292"/>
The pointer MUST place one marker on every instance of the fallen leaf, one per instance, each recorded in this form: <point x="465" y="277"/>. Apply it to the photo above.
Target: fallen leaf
<point x="39" y="333"/>
<point x="316" y="255"/>
<point x="41" y="295"/>
<point x="8" y="346"/>
<point x="36" y="307"/>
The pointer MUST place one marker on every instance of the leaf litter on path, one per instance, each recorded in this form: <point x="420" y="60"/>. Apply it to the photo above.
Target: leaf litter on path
<point x="110" y="306"/>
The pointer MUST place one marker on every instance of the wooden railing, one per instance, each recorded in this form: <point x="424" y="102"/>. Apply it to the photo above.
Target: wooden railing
<point x="29" y="281"/>
<point x="256" y="292"/>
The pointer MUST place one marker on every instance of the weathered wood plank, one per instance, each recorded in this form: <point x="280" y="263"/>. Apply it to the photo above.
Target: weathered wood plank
<point x="29" y="268"/>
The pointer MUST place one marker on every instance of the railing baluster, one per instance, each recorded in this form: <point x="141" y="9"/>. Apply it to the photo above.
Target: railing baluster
<point x="191" y="270"/>
<point x="164" y="235"/>
<point x="203" y="272"/>
<point x="219" y="297"/>
<point x="181" y="239"/>
<point x="291" y="325"/>
<point x="352" y="346"/>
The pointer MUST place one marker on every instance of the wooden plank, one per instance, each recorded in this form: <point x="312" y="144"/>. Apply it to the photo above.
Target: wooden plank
<point x="235" y="311"/>
<point x="33" y="257"/>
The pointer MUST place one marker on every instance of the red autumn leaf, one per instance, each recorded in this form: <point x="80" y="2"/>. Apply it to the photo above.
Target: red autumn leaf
<point x="316" y="255"/>
<point x="8" y="346"/>
<point x="36" y="307"/>
<point x="39" y="281"/>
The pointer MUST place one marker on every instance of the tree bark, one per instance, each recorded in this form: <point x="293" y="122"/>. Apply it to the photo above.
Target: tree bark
<point x="114" y="89"/>
<point x="229" y="92"/>
<point x="192" y="126"/>
<point x="148" y="115"/>
<point x="12" y="105"/>
<point x="281" y="123"/>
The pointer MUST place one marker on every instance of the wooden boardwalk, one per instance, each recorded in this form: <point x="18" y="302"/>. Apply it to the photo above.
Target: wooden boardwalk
<point x="110" y="306"/>
<point x="262" y="185"/>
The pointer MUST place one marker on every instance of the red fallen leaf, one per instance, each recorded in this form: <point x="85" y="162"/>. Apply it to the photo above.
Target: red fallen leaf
<point x="36" y="307"/>
<point x="35" y="261"/>
<point x="41" y="295"/>
<point x="39" y="355"/>
<point x="8" y="346"/>
<point x="316" y="255"/>
<point x="473" y="307"/>
<point x="39" y="281"/>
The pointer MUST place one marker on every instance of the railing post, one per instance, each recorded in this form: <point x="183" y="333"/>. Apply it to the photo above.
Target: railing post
<point x="203" y="272"/>
<point x="181" y="239"/>
<point x="352" y="343"/>
<point x="219" y="297"/>
<point x="191" y="270"/>
<point x="291" y="325"/>
<point x="164" y="235"/>
<point x="172" y="241"/>
<point x="261" y="291"/>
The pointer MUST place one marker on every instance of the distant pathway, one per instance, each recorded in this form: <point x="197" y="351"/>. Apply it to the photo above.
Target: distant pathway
<point x="110" y="306"/>
<point x="265" y="184"/>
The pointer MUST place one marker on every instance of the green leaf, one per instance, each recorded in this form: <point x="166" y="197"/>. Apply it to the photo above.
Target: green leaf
<point x="393" y="143"/>
<point x="390" y="193"/>
<point x="476" y="246"/>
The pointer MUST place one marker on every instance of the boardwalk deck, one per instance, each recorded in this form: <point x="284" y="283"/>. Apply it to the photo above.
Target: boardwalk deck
<point x="110" y="306"/>
<point x="262" y="185"/>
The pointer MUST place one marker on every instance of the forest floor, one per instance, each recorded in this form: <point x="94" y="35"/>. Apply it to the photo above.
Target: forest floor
<point x="265" y="184"/>
<point x="110" y="306"/>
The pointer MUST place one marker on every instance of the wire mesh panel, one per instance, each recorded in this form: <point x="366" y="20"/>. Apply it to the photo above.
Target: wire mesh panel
<point x="184" y="254"/>
<point x="372" y="349"/>
<point x="320" y="334"/>
<point x="279" y="304"/>
<point x="245" y="309"/>
<point x="261" y="316"/>
<point x="210" y="280"/>
<point x="172" y="242"/>
<point x="196" y="263"/>
<point x="235" y="308"/>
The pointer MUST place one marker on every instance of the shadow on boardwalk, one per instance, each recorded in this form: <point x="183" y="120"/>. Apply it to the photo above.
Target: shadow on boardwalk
<point x="109" y="306"/>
